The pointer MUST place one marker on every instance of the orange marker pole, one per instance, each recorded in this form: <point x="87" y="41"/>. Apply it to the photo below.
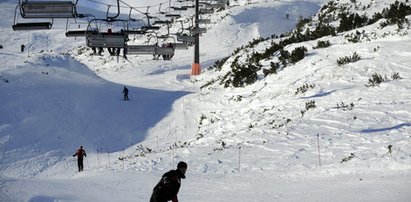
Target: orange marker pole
<point x="196" y="67"/>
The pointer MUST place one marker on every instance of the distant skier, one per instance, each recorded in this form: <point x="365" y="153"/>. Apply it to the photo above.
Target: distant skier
<point x="22" y="47"/>
<point x="169" y="185"/>
<point x="125" y="93"/>
<point x="80" y="153"/>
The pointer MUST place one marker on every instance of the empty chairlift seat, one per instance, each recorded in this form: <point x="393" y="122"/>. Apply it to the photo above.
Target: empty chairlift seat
<point x="204" y="21"/>
<point x="198" y="30"/>
<point x="180" y="46"/>
<point x="76" y="33"/>
<point x="186" y="38"/>
<point x="150" y="50"/>
<point x="32" y="26"/>
<point x="205" y="11"/>
<point x="141" y="49"/>
<point x="47" y="9"/>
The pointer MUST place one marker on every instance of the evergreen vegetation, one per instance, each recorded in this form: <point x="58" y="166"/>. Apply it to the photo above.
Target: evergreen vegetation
<point x="323" y="44"/>
<point x="244" y="73"/>
<point x="347" y="59"/>
<point x="375" y="80"/>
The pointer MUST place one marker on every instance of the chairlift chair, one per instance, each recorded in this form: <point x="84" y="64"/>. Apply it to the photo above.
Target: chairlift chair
<point x="180" y="46"/>
<point x="47" y="9"/>
<point x="135" y="25"/>
<point x="173" y="15"/>
<point x="97" y="39"/>
<point x="152" y="49"/>
<point x="148" y="26"/>
<point x="186" y="38"/>
<point x="218" y="4"/>
<point x="188" y="6"/>
<point x="76" y="32"/>
<point x="42" y="9"/>
<point x="167" y="35"/>
<point x="166" y="50"/>
<point x="138" y="31"/>
<point x="162" y="22"/>
<point x="204" y="21"/>
<point x="104" y="40"/>
<point x="202" y="11"/>
<point x="179" y="8"/>
<point x="197" y="30"/>
<point x="141" y="49"/>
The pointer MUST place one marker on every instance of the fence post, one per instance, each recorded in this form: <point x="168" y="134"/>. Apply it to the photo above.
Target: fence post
<point x="239" y="158"/>
<point x="108" y="157"/>
<point x="319" y="154"/>
<point x="124" y="160"/>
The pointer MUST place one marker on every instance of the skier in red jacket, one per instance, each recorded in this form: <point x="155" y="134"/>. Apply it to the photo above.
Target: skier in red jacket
<point x="80" y="153"/>
<point x="169" y="184"/>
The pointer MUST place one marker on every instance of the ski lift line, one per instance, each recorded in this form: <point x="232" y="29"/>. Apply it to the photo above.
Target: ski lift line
<point x="97" y="2"/>
<point x="154" y="5"/>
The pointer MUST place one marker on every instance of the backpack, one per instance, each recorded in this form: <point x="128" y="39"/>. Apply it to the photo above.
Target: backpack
<point x="81" y="153"/>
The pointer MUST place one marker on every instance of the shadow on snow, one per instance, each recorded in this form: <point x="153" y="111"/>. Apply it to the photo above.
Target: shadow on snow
<point x="60" y="104"/>
<point x="385" y="129"/>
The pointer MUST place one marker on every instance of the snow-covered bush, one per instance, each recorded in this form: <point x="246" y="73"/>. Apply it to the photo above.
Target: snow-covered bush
<point x="375" y="80"/>
<point x="323" y="44"/>
<point x="348" y="59"/>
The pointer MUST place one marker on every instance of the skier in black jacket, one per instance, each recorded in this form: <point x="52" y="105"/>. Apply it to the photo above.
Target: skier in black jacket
<point x="80" y="153"/>
<point x="125" y="93"/>
<point x="169" y="184"/>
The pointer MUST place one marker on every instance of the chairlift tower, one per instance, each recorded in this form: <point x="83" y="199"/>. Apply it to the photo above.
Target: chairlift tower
<point x="196" y="67"/>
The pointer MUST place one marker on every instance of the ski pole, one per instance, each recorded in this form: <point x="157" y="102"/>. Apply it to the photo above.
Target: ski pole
<point x="87" y="163"/>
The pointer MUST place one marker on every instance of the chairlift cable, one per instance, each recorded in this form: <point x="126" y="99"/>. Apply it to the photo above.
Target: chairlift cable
<point x="127" y="5"/>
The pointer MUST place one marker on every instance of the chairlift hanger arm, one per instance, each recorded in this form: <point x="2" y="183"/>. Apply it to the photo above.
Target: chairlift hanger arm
<point x="118" y="11"/>
<point x="159" y="9"/>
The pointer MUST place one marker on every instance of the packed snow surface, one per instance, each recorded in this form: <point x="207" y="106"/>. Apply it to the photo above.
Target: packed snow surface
<point x="256" y="143"/>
